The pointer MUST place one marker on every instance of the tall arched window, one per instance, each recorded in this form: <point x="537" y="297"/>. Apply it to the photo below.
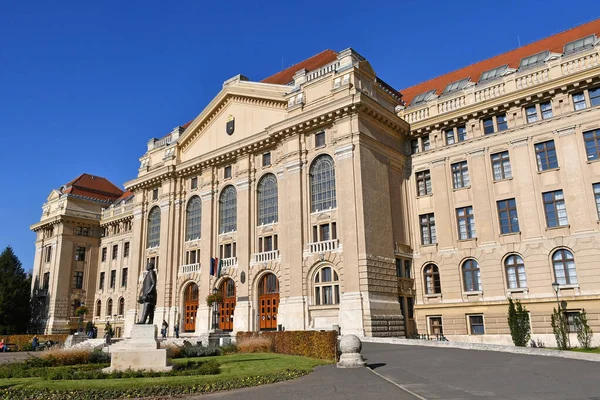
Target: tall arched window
<point x="471" y="276"/>
<point x="121" y="306"/>
<point x="153" y="239"/>
<point x="109" y="307"/>
<point x="194" y="214"/>
<point x="228" y="210"/>
<point x="515" y="272"/>
<point x="564" y="267"/>
<point x="268" y="211"/>
<point x="431" y="275"/>
<point x="322" y="184"/>
<point x="327" y="287"/>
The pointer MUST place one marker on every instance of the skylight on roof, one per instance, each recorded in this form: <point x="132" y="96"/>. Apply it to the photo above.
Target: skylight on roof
<point x="580" y="44"/>
<point x="534" y="59"/>
<point x="423" y="97"/>
<point x="454" y="86"/>
<point x="493" y="73"/>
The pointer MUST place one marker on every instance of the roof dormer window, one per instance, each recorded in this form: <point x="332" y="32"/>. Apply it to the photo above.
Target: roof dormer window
<point x="422" y="98"/>
<point x="535" y="59"/>
<point x="493" y="73"/>
<point x="455" y="86"/>
<point x="580" y="44"/>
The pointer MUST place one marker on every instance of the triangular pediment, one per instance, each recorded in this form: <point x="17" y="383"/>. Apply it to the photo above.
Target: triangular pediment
<point x="240" y="110"/>
<point x="54" y="194"/>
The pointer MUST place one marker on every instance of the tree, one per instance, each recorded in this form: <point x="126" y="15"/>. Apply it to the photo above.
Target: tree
<point x="15" y="286"/>
<point x="584" y="332"/>
<point x="518" y="322"/>
<point x="560" y="327"/>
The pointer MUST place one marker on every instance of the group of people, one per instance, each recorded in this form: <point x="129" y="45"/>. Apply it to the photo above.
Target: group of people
<point x="164" y="329"/>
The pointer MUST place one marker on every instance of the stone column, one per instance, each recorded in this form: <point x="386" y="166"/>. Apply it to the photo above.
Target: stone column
<point x="203" y="315"/>
<point x="245" y="188"/>
<point x="136" y="266"/>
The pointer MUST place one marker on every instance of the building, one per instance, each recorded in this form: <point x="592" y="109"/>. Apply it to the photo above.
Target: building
<point x="322" y="197"/>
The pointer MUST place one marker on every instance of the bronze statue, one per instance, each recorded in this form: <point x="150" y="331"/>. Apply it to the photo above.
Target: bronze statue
<point x="148" y="297"/>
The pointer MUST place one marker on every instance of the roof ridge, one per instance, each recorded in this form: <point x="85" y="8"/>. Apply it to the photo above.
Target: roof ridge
<point x="300" y="62"/>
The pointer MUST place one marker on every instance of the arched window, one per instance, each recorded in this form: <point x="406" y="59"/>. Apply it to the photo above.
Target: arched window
<point x="327" y="286"/>
<point x="109" y="307"/>
<point x="267" y="200"/>
<point x="228" y="288"/>
<point x="564" y="267"/>
<point x="322" y="184"/>
<point x="153" y="239"/>
<point x="515" y="272"/>
<point x="228" y="210"/>
<point x="194" y="214"/>
<point x="121" y="306"/>
<point x="269" y="284"/>
<point x="98" y="308"/>
<point x="471" y="276"/>
<point x="431" y="275"/>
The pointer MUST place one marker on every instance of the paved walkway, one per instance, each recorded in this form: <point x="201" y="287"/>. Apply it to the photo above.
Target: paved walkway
<point x="14" y="356"/>
<point x="433" y="373"/>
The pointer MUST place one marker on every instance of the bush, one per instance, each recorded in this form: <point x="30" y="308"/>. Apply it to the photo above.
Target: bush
<point x="23" y="342"/>
<point x="255" y="345"/>
<point x="584" y="332"/>
<point x="560" y="328"/>
<point x="174" y="351"/>
<point x="229" y="349"/>
<point x="200" y="351"/>
<point x="66" y="356"/>
<point x="315" y="344"/>
<point x="518" y="322"/>
<point x="99" y="357"/>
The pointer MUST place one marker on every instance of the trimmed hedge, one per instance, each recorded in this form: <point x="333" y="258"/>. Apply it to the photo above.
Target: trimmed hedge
<point x="23" y="342"/>
<point x="151" y="390"/>
<point x="314" y="344"/>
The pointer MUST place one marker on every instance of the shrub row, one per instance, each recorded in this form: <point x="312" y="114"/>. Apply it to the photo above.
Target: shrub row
<point x="149" y="391"/>
<point x="315" y="344"/>
<point x="23" y="342"/>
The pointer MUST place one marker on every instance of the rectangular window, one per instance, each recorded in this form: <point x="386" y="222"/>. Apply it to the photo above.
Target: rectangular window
<point x="426" y="143"/>
<point x="579" y="101"/>
<point x="324" y="232"/>
<point x="435" y="326"/>
<point x="531" y="114"/>
<point x="320" y="139"/>
<point x="48" y="250"/>
<point x="488" y="126"/>
<point x="153" y="261"/>
<point x="476" y="323"/>
<point x="191" y="257"/>
<point x="501" y="166"/>
<point x="104" y="251"/>
<point x="268" y="243"/>
<point x="46" y="281"/>
<point x="507" y="214"/>
<point x="466" y="223"/>
<point x="101" y="284"/>
<point x="414" y="146"/>
<point x="407" y="268"/>
<point x="460" y="175"/>
<point x="194" y="183"/>
<point x="592" y="144"/>
<point x="546" y="109"/>
<point x="423" y="183"/>
<point x="80" y="253"/>
<point x="126" y="250"/>
<point x="597" y="197"/>
<point x="124" y="278"/>
<point x="554" y="208"/>
<point x="462" y="133"/>
<point x="78" y="280"/>
<point x="502" y="122"/>
<point x="82" y="231"/>
<point x="113" y="278"/>
<point x="571" y="317"/>
<point x="227" y="172"/>
<point x="266" y="161"/>
<point x="450" y="136"/>
<point x="155" y="194"/>
<point x="428" y="233"/>
<point x="594" y="96"/>
<point x="115" y="251"/>
<point x="545" y="154"/>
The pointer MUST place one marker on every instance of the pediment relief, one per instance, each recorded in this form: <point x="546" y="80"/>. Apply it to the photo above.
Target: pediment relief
<point x="323" y="217"/>
<point x="54" y="194"/>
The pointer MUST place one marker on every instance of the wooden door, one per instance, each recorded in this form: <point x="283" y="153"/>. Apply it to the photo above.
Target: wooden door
<point x="227" y="308"/>
<point x="191" y="307"/>
<point x="268" y="302"/>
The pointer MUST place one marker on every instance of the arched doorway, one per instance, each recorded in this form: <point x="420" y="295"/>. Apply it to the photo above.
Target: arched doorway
<point x="228" y="306"/>
<point x="191" y="306"/>
<point x="268" y="301"/>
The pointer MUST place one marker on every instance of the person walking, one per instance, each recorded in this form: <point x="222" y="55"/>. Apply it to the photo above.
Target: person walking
<point x="176" y="328"/>
<point x="35" y="342"/>
<point x="164" y="327"/>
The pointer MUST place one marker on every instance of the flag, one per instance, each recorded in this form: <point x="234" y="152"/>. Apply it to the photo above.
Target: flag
<point x="212" y="266"/>
<point x="220" y="268"/>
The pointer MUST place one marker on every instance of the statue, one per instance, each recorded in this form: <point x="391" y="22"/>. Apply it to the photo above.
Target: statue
<point x="148" y="297"/>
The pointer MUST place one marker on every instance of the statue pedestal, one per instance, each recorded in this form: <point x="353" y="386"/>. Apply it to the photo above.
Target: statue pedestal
<point x="141" y="352"/>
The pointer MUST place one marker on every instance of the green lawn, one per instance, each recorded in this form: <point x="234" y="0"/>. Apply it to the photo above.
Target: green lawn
<point x="232" y="366"/>
<point x="592" y="350"/>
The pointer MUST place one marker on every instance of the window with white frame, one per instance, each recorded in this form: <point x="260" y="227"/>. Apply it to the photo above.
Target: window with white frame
<point x="515" y="272"/>
<point x="501" y="166"/>
<point x="193" y="219"/>
<point x="228" y="210"/>
<point x="268" y="209"/>
<point x="324" y="232"/>
<point x="466" y="223"/>
<point x="192" y="256"/>
<point x="476" y="325"/>
<point x="554" y="208"/>
<point x="563" y="264"/>
<point x="545" y="154"/>
<point x="268" y="243"/>
<point x="579" y="102"/>
<point x="153" y="231"/>
<point x="322" y="184"/>
<point x="327" y="286"/>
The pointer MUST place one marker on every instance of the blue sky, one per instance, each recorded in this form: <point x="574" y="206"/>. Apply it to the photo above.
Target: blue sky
<point x="84" y="85"/>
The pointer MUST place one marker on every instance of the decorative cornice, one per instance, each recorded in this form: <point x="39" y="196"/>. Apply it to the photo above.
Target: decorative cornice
<point x="344" y="151"/>
<point x="569" y="130"/>
<point x="242" y="184"/>
<point x="520" y="142"/>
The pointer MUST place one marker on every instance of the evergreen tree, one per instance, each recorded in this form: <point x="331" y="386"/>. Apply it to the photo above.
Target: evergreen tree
<point x="15" y="286"/>
<point x="584" y="332"/>
<point x="518" y="322"/>
<point x="560" y="327"/>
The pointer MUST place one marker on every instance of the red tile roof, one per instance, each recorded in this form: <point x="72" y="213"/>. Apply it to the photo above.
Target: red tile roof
<point x="317" y="61"/>
<point x="553" y="43"/>
<point x="92" y="186"/>
<point x="126" y="195"/>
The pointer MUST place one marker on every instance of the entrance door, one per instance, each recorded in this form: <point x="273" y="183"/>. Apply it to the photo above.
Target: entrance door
<point x="191" y="306"/>
<point x="268" y="302"/>
<point x="228" y="306"/>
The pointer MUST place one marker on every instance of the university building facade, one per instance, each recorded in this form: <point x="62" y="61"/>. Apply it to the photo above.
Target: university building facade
<point x="329" y="199"/>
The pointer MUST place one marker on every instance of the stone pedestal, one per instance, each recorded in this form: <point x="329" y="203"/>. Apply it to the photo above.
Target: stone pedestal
<point x="141" y="352"/>
<point x="350" y="347"/>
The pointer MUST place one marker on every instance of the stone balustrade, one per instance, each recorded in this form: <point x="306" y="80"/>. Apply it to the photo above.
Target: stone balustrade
<point x="229" y="262"/>
<point x="321" y="247"/>
<point x="266" y="256"/>
<point x="189" y="268"/>
<point x="113" y="211"/>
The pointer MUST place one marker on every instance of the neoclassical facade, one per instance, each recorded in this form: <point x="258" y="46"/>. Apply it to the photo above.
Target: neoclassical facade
<point x="321" y="197"/>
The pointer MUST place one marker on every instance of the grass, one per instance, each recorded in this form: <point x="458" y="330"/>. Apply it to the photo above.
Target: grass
<point x="232" y="366"/>
<point x="595" y="350"/>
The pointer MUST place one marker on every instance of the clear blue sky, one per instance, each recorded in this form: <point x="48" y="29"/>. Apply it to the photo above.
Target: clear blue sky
<point x="80" y="78"/>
